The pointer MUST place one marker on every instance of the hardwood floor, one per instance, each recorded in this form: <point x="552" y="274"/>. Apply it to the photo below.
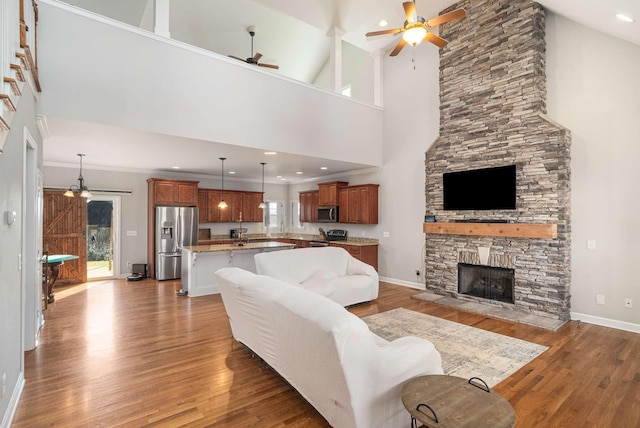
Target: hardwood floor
<point x="114" y="353"/>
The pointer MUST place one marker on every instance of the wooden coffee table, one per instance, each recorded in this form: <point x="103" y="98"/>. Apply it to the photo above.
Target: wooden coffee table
<point x="439" y="401"/>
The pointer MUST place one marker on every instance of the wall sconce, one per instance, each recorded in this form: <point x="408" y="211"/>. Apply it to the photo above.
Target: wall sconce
<point x="80" y="187"/>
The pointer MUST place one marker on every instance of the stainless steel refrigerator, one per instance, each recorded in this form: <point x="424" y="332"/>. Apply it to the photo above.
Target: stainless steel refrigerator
<point x="176" y="227"/>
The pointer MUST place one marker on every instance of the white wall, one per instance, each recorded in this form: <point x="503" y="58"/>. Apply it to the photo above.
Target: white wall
<point x="11" y="285"/>
<point x="126" y="77"/>
<point x="410" y="127"/>
<point x="593" y="89"/>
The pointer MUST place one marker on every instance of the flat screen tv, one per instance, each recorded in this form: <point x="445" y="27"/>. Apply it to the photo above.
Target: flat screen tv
<point x="480" y="189"/>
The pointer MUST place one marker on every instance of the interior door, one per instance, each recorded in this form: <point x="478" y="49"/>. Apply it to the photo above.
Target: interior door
<point x="65" y="232"/>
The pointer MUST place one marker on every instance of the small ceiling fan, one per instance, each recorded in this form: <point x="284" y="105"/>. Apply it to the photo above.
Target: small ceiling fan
<point x="416" y="28"/>
<point x="253" y="59"/>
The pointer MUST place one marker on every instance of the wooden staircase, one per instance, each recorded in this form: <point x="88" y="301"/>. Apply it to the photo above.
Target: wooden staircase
<point x="16" y="68"/>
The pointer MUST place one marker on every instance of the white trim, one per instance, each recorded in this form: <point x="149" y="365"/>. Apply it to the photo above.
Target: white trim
<point x="606" y="322"/>
<point x="13" y="402"/>
<point x="410" y="284"/>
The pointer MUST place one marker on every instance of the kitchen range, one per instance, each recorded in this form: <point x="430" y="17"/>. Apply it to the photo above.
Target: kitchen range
<point x="329" y="235"/>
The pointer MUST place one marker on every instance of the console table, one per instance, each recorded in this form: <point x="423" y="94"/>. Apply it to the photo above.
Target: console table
<point x="440" y="401"/>
<point x="52" y="264"/>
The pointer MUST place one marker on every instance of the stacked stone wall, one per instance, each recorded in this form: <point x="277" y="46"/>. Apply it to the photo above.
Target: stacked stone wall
<point x="492" y="113"/>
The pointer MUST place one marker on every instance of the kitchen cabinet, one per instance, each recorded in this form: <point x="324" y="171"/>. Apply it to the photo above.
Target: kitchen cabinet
<point x="172" y="192"/>
<point x="251" y="211"/>
<point x="234" y="206"/>
<point x="309" y="206"/>
<point x="328" y="192"/>
<point x="365" y="253"/>
<point x="237" y="201"/>
<point x="203" y="206"/>
<point x="359" y="204"/>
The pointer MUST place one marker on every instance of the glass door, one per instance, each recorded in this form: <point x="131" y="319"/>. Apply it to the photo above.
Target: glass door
<point x="102" y="230"/>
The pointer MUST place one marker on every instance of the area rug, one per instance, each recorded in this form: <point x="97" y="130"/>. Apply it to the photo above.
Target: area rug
<point x="466" y="351"/>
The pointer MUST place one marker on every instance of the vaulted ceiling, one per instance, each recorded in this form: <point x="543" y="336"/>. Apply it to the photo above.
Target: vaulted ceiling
<point x="291" y="34"/>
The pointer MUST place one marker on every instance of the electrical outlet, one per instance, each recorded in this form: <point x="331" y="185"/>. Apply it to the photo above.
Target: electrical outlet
<point x="129" y="265"/>
<point x="3" y="389"/>
<point x="628" y="303"/>
<point x="417" y="272"/>
<point x="599" y="299"/>
<point x="591" y="244"/>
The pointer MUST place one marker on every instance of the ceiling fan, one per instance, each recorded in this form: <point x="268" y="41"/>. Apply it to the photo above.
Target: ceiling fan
<point x="253" y="59"/>
<point x="416" y="28"/>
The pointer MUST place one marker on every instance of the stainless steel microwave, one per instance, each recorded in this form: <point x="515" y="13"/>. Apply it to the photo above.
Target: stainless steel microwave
<point x="328" y="214"/>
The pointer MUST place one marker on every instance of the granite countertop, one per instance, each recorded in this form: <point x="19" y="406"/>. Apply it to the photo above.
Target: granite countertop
<point x="361" y="242"/>
<point x="235" y="247"/>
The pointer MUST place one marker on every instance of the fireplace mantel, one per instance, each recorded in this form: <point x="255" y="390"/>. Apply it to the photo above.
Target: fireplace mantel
<point x="507" y="230"/>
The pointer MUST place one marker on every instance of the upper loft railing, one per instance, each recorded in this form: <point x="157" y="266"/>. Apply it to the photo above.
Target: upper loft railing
<point x="17" y="35"/>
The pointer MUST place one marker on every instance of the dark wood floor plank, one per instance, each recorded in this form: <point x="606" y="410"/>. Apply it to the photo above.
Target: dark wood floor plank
<point x="114" y="353"/>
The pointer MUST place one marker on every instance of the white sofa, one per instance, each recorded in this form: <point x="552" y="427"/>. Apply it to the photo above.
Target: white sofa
<point x="329" y="271"/>
<point x="351" y="376"/>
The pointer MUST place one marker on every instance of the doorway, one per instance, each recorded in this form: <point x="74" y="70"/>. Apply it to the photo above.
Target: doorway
<point x="103" y="250"/>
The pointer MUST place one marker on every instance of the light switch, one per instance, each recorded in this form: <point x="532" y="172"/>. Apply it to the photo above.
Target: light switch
<point x="591" y="244"/>
<point x="11" y="217"/>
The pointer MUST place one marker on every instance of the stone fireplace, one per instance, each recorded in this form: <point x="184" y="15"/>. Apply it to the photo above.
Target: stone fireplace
<point x="492" y="113"/>
<point x="487" y="282"/>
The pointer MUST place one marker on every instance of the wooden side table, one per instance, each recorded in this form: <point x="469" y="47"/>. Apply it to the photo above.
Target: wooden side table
<point x="440" y="401"/>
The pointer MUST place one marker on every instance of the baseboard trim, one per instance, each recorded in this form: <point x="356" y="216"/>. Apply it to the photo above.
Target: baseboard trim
<point x="606" y="322"/>
<point x="13" y="403"/>
<point x="415" y="285"/>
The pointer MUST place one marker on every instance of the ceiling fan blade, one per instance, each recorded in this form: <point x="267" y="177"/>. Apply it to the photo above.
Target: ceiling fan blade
<point x="398" y="47"/>
<point x="436" y="40"/>
<point x="269" y="66"/>
<point x="410" y="10"/>
<point x="381" y="32"/>
<point x="257" y="56"/>
<point x="235" y="57"/>
<point x="450" y="16"/>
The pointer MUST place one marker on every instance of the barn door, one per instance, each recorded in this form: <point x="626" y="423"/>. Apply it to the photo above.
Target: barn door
<point x="65" y="232"/>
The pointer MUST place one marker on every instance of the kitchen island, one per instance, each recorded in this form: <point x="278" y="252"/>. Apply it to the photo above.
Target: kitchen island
<point x="200" y="262"/>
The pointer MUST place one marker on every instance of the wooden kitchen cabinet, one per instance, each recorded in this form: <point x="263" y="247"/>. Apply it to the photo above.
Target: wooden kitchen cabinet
<point x="251" y="211"/>
<point x="309" y="206"/>
<point x="203" y="206"/>
<point x="365" y="253"/>
<point x="359" y="204"/>
<point x="234" y="206"/>
<point x="237" y="201"/>
<point x="163" y="192"/>
<point x="328" y="192"/>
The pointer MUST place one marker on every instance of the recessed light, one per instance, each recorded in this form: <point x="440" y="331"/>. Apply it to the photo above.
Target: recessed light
<point x="624" y="18"/>
<point x="278" y="176"/>
<point x="383" y="23"/>
<point x="175" y="167"/>
<point x="299" y="172"/>
<point x="323" y="167"/>
<point x="283" y="179"/>
<point x="232" y="172"/>
<point x="270" y="153"/>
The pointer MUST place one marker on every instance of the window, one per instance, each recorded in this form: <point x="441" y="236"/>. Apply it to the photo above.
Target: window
<point x="274" y="219"/>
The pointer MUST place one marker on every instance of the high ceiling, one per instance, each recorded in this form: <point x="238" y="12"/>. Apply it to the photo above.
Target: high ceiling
<point x="289" y="33"/>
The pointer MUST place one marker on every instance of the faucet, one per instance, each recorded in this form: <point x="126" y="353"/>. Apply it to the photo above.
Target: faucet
<point x="323" y="234"/>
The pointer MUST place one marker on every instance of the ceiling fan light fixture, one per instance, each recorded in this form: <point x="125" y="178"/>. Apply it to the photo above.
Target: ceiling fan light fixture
<point x="414" y="35"/>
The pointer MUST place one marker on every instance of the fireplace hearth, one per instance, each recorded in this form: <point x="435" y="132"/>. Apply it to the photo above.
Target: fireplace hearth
<point x="487" y="282"/>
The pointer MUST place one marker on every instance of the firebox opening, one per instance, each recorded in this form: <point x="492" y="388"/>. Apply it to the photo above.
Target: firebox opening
<point x="487" y="282"/>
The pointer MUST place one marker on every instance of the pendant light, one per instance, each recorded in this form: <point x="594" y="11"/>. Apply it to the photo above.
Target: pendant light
<point x="222" y="204"/>
<point x="262" y="204"/>
<point x="80" y="187"/>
